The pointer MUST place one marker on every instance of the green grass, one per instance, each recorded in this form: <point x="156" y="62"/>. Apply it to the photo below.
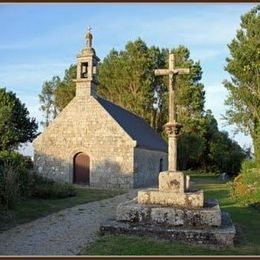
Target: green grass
<point x="30" y="209"/>
<point x="246" y="220"/>
<point x="200" y="174"/>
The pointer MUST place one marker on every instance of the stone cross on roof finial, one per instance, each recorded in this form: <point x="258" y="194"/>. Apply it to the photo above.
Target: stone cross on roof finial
<point x="89" y="37"/>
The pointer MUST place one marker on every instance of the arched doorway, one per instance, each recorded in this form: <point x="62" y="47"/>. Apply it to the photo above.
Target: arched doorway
<point x="81" y="169"/>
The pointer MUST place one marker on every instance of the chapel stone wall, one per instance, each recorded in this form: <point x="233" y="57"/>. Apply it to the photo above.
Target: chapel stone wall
<point x="85" y="126"/>
<point x="147" y="166"/>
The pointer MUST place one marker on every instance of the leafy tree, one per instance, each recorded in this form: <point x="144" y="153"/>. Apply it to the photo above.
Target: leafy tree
<point x="226" y="154"/>
<point x="244" y="87"/>
<point x="221" y="154"/>
<point x="57" y="93"/>
<point x="126" y="79"/>
<point x="210" y="134"/>
<point x="190" y="96"/>
<point x="191" y="150"/>
<point x="159" y="59"/>
<point x="190" y="99"/>
<point x="47" y="99"/>
<point x="16" y="126"/>
<point x="66" y="89"/>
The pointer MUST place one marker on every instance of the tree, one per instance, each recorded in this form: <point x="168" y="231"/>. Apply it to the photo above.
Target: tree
<point x="66" y="89"/>
<point x="57" y="93"/>
<point x="244" y="87"/>
<point x="47" y="99"/>
<point x="226" y="155"/>
<point x="190" y="96"/>
<point x="126" y="79"/>
<point x="190" y="99"/>
<point x="191" y="150"/>
<point x="15" y="124"/>
<point x="221" y="153"/>
<point x="159" y="117"/>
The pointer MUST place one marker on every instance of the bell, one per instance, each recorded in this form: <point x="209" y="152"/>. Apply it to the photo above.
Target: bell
<point x="84" y="70"/>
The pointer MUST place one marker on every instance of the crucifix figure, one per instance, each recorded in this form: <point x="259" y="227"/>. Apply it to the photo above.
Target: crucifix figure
<point x="172" y="127"/>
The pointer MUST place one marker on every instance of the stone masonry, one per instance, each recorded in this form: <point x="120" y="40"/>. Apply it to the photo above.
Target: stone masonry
<point x="86" y="126"/>
<point x="147" y="166"/>
<point x="165" y="214"/>
<point x="174" y="210"/>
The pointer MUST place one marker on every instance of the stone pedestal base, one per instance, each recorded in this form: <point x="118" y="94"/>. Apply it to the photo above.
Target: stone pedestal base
<point x="131" y="211"/>
<point x="171" y="181"/>
<point x="168" y="198"/>
<point x="173" y="212"/>
<point x="173" y="192"/>
<point x="220" y="236"/>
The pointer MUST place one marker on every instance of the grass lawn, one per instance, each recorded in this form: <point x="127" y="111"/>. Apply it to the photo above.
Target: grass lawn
<point x="31" y="209"/>
<point x="246" y="220"/>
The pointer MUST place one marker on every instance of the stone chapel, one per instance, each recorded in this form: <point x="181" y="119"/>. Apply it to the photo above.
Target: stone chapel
<point x="97" y="143"/>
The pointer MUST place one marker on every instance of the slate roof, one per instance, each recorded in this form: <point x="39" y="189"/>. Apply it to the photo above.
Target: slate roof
<point x="135" y="126"/>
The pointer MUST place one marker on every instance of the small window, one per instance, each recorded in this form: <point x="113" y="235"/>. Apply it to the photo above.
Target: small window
<point x="161" y="165"/>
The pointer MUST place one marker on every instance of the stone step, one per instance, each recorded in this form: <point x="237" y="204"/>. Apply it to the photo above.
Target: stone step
<point x="134" y="212"/>
<point x="189" y="199"/>
<point x="222" y="236"/>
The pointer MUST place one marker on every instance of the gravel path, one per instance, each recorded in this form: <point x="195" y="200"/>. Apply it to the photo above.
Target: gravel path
<point x="62" y="233"/>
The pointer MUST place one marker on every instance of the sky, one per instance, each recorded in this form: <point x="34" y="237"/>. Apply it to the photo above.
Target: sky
<point x="38" y="41"/>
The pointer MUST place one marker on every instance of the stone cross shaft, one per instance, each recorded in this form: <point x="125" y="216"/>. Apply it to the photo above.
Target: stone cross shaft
<point x="172" y="127"/>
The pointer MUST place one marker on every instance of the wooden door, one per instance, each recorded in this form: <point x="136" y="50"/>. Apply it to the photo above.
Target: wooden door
<point x="81" y="169"/>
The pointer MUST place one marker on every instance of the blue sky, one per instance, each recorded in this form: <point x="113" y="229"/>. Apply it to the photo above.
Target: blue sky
<point x="39" y="41"/>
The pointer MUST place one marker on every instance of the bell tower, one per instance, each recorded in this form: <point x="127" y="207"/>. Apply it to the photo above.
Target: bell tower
<point x="87" y="61"/>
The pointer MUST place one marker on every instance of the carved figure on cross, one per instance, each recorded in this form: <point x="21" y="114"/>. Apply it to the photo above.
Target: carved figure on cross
<point x="171" y="72"/>
<point x="172" y="127"/>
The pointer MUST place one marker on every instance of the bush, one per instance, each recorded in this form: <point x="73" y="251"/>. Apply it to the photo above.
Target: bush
<point x="14" y="177"/>
<point x="246" y="186"/>
<point x="9" y="189"/>
<point x="44" y="188"/>
<point x="18" y="180"/>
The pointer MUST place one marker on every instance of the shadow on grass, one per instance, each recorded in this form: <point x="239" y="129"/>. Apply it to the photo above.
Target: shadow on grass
<point x="247" y="240"/>
<point x="245" y="219"/>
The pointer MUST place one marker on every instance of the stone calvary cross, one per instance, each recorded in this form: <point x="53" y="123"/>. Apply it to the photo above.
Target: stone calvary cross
<point x="173" y="211"/>
<point x="172" y="127"/>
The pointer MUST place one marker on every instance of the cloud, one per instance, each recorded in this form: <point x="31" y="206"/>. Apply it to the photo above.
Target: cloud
<point x="29" y="77"/>
<point x="32" y="104"/>
<point x="27" y="81"/>
<point x="54" y="37"/>
<point x="206" y="54"/>
<point x="215" y="97"/>
<point x="203" y="29"/>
